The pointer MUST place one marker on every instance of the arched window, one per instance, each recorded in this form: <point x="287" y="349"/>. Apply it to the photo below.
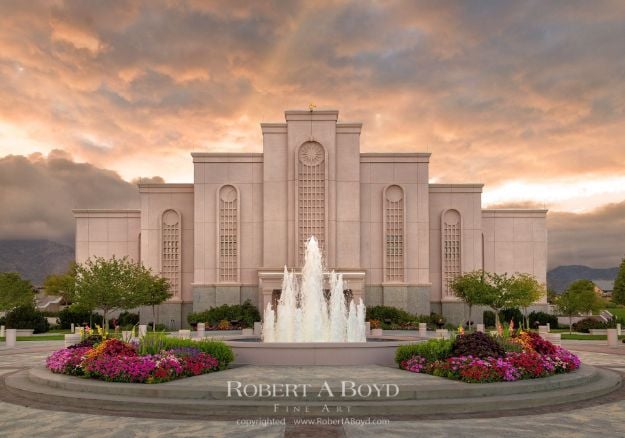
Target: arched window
<point x="228" y="253"/>
<point x="451" y="249"/>
<point x="170" y="249"/>
<point x="311" y="197"/>
<point x="394" y="234"/>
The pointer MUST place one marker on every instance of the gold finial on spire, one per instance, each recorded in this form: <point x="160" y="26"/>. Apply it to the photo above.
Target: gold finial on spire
<point x="312" y="107"/>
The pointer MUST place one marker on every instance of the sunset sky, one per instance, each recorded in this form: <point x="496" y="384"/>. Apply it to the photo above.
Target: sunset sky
<point x="527" y="97"/>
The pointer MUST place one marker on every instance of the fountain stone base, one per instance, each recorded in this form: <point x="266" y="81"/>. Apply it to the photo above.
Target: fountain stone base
<point x="377" y="351"/>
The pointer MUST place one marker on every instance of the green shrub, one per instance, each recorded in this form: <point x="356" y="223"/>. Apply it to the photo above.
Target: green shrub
<point x="27" y="317"/>
<point x="542" y="318"/>
<point x="478" y="345"/>
<point x="434" y="349"/>
<point x="488" y="317"/>
<point x="507" y="315"/>
<point x="3" y="320"/>
<point x="247" y="313"/>
<point x="125" y="319"/>
<point x="586" y="324"/>
<point x="153" y="343"/>
<point x="78" y="317"/>
<point x="389" y="315"/>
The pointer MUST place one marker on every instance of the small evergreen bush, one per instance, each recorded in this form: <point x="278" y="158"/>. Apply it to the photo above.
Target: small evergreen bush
<point x="27" y="317"/>
<point x="389" y="313"/>
<point x="78" y="317"/>
<point x="543" y="318"/>
<point x="489" y="318"/>
<point x="586" y="324"/>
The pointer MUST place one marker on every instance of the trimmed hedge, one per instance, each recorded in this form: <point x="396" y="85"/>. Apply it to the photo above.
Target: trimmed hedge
<point x="395" y="315"/>
<point x="432" y="350"/>
<point x="586" y="324"/>
<point x="78" y="317"/>
<point x="543" y="318"/>
<point x="27" y="317"/>
<point x="247" y="313"/>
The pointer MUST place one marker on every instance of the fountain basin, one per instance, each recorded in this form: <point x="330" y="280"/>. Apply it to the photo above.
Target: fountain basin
<point x="377" y="351"/>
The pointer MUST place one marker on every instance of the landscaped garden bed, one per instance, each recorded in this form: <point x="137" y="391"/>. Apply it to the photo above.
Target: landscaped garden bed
<point x="482" y="358"/>
<point x="153" y="359"/>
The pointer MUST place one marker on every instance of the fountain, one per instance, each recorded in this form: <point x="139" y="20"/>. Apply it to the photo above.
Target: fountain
<point x="304" y="315"/>
<point x="307" y="328"/>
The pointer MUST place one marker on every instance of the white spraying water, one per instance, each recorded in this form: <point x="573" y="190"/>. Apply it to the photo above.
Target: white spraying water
<point x="304" y="315"/>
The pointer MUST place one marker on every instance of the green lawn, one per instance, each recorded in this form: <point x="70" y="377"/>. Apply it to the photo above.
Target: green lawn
<point x="619" y="312"/>
<point x="584" y="337"/>
<point x="38" y="338"/>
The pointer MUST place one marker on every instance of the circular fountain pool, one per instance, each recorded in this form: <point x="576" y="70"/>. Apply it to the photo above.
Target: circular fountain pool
<point x="376" y="351"/>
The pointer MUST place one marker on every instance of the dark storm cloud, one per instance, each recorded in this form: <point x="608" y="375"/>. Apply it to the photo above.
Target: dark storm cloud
<point x="38" y="194"/>
<point x="496" y="90"/>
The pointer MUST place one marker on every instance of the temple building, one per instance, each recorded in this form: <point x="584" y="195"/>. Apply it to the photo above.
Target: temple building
<point x="398" y="239"/>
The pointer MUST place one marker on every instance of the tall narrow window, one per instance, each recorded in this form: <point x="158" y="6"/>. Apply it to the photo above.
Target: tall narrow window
<point x="451" y="230"/>
<point x="170" y="249"/>
<point x="311" y="197"/>
<point x="228" y="234"/>
<point x="394" y="234"/>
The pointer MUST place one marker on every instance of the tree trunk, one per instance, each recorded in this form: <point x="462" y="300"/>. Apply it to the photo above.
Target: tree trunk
<point x="153" y="318"/>
<point x="570" y="324"/>
<point x="496" y="318"/>
<point x="104" y="321"/>
<point x="470" y="325"/>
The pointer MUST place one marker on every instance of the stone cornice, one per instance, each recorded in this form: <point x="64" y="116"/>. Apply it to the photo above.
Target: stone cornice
<point x="395" y="157"/>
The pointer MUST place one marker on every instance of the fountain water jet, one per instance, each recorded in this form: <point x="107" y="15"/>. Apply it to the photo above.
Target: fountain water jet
<point x="303" y="313"/>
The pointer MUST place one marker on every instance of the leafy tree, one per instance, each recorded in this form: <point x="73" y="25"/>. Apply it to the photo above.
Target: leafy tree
<point x="472" y="288"/>
<point x="503" y="294"/>
<point x="579" y="297"/>
<point x="15" y="291"/>
<point x="109" y="285"/>
<point x="526" y="290"/>
<point x="62" y="285"/>
<point x="618" y="294"/>
<point x="153" y="290"/>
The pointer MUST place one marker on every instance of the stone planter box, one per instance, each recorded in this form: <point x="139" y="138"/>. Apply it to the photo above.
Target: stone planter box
<point x="377" y="332"/>
<point x="24" y="332"/>
<point x="72" y="339"/>
<point x="247" y="332"/>
<point x="598" y="331"/>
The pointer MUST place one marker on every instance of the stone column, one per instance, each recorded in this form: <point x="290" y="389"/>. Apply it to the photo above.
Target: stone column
<point x="72" y="338"/>
<point x="72" y="329"/>
<point x="11" y="338"/>
<point x="201" y="328"/>
<point x="423" y="330"/>
<point x="618" y="329"/>
<point x="258" y="329"/>
<point x="480" y="328"/>
<point x="612" y="338"/>
<point x="143" y="330"/>
<point x="2" y="331"/>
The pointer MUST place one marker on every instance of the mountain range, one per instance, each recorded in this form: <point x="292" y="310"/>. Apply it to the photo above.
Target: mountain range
<point x="35" y="259"/>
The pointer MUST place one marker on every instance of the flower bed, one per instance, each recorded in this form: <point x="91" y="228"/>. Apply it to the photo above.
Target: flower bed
<point x="480" y="358"/>
<point x="113" y="360"/>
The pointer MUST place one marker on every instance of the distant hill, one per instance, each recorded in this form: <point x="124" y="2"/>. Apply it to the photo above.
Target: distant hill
<point x="559" y="278"/>
<point x="34" y="259"/>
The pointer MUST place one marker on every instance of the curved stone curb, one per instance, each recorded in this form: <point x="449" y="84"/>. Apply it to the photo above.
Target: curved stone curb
<point x="587" y="383"/>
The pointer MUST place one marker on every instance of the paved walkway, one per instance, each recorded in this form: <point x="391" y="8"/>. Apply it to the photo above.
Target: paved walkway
<point x="603" y="419"/>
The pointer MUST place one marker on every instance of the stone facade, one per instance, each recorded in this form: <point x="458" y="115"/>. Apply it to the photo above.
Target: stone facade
<point x="398" y="239"/>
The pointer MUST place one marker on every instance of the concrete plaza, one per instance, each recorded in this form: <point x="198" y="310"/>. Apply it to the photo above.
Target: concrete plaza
<point x="578" y="419"/>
